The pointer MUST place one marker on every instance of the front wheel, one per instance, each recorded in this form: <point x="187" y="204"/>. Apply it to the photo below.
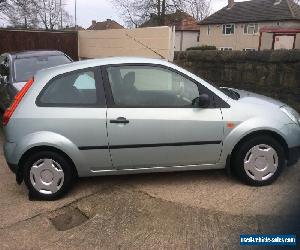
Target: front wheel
<point x="48" y="175"/>
<point x="259" y="160"/>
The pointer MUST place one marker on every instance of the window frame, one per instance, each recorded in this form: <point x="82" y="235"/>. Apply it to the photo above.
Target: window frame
<point x="249" y="49"/>
<point x="224" y="25"/>
<point x="246" y="27"/>
<point x="100" y="92"/>
<point x="226" y="49"/>
<point x="216" y="101"/>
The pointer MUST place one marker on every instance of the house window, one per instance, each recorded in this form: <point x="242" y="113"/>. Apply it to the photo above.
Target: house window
<point x="198" y="37"/>
<point x="251" y="28"/>
<point x="225" y="48"/>
<point x="208" y="29"/>
<point x="228" y="29"/>
<point x="249" y="49"/>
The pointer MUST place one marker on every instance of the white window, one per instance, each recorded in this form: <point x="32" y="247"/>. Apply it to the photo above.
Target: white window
<point x="228" y="29"/>
<point x="251" y="28"/>
<point x="249" y="49"/>
<point x="208" y="29"/>
<point x="225" y="48"/>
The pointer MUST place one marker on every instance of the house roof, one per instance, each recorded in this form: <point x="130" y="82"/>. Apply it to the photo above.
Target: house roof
<point x="181" y="20"/>
<point x="256" y="11"/>
<point x="106" y="25"/>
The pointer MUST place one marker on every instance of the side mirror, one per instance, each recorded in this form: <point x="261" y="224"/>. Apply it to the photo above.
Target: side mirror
<point x="203" y="101"/>
<point x="3" y="79"/>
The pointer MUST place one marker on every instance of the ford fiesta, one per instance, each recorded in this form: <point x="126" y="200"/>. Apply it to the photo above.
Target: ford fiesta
<point x="135" y="115"/>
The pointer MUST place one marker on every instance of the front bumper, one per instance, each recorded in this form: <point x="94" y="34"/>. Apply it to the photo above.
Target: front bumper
<point x="294" y="155"/>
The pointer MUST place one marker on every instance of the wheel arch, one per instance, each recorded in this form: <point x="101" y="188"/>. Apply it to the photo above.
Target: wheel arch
<point x="264" y="132"/>
<point x="36" y="149"/>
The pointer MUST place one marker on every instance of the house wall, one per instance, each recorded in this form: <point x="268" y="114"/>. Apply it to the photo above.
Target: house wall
<point x="186" y="39"/>
<point x="156" y="42"/>
<point x="297" y="43"/>
<point x="239" y="40"/>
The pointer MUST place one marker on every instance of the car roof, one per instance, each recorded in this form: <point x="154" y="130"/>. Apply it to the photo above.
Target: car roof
<point x="90" y="63"/>
<point x="35" y="53"/>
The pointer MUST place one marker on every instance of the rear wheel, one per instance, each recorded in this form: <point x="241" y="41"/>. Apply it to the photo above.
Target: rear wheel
<point x="259" y="160"/>
<point x="48" y="175"/>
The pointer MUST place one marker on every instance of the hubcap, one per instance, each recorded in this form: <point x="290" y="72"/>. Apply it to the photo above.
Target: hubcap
<point x="46" y="176"/>
<point x="261" y="162"/>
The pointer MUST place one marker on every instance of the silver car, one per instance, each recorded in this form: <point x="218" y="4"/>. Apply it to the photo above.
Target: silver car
<point x="135" y="115"/>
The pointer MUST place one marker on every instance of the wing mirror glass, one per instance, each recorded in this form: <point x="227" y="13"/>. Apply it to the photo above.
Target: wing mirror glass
<point x="3" y="73"/>
<point x="203" y="101"/>
<point x="3" y="79"/>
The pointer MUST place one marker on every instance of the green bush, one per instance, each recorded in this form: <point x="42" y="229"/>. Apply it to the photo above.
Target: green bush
<point x="204" y="47"/>
<point x="265" y="56"/>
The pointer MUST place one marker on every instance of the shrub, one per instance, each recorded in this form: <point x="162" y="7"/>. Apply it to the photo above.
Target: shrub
<point x="203" y="47"/>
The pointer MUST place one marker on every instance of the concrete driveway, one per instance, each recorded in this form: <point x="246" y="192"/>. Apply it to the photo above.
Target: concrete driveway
<point x="189" y="210"/>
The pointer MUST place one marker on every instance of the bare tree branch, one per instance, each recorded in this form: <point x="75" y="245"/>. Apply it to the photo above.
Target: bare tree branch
<point x="136" y="12"/>
<point x="35" y="13"/>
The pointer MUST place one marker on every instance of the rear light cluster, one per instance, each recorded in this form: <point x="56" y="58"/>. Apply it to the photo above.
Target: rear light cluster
<point x="9" y="112"/>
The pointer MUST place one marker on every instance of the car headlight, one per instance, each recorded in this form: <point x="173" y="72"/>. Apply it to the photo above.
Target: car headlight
<point x="291" y="113"/>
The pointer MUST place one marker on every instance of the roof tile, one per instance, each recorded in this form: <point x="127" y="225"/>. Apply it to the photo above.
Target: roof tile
<point x="255" y="11"/>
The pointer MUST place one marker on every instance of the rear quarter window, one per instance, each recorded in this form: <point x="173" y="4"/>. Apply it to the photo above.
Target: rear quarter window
<point x="78" y="88"/>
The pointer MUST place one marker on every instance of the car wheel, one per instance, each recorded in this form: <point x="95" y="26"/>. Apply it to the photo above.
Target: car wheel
<point x="48" y="175"/>
<point x="259" y="160"/>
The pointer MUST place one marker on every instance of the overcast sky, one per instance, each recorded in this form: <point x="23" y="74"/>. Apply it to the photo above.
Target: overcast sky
<point x="100" y="10"/>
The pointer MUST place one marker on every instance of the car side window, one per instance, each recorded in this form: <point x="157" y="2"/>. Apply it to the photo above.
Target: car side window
<point x="75" y="88"/>
<point x="150" y="86"/>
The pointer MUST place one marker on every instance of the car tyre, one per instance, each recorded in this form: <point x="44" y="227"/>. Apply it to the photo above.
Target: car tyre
<point x="259" y="160"/>
<point x="48" y="175"/>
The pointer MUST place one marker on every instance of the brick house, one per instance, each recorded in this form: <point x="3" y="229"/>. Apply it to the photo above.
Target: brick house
<point x="106" y="25"/>
<point x="187" y="29"/>
<point x="253" y="25"/>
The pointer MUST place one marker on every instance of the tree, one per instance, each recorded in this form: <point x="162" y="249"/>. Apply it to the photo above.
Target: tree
<point x="199" y="9"/>
<point x="48" y="14"/>
<point x="136" y="12"/>
<point x="20" y="13"/>
<point x="51" y="14"/>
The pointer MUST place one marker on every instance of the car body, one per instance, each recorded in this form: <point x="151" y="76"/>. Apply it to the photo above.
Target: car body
<point x="136" y="115"/>
<point x="20" y="67"/>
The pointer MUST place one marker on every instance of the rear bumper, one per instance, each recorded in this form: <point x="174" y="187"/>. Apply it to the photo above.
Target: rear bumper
<point x="294" y="155"/>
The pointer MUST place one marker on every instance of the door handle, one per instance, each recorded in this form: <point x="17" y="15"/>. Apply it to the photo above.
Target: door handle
<point x="120" y="120"/>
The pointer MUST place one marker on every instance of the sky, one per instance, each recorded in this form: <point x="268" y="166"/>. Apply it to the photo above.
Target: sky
<point x="100" y="10"/>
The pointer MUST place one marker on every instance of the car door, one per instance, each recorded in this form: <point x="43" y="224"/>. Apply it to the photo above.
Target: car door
<point x="152" y="121"/>
<point x="73" y="105"/>
<point x="5" y="75"/>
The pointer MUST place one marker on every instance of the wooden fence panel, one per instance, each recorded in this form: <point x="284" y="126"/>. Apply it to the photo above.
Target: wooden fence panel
<point x="20" y="40"/>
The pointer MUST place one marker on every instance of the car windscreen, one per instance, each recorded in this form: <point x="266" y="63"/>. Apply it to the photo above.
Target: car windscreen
<point x="25" y="68"/>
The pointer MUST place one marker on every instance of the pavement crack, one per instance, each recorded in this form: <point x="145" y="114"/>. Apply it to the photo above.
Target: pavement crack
<point x="49" y="211"/>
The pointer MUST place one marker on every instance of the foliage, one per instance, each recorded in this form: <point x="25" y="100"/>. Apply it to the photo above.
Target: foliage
<point x="136" y="12"/>
<point x="48" y="14"/>
<point x="203" y="47"/>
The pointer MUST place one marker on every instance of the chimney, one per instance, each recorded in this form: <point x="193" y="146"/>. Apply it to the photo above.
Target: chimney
<point x="94" y="22"/>
<point x="230" y="4"/>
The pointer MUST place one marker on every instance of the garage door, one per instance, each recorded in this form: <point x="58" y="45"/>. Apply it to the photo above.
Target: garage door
<point x="284" y="42"/>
